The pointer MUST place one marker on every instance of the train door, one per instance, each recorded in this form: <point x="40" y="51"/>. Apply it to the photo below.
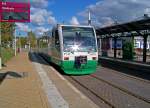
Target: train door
<point x="55" y="46"/>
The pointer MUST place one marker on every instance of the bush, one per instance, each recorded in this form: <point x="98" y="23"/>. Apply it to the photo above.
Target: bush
<point x="128" y="51"/>
<point x="7" y="54"/>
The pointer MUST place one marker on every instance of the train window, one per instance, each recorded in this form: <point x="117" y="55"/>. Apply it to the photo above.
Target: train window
<point x="83" y="37"/>
<point x="57" y="43"/>
<point x="53" y="42"/>
<point x="52" y="33"/>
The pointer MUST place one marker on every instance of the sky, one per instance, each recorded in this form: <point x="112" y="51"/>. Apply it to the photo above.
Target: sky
<point x="47" y="13"/>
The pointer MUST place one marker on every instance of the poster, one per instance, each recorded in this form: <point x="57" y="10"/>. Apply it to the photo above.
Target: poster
<point x="15" y="11"/>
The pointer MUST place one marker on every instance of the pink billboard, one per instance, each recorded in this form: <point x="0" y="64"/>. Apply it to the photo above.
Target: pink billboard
<point x="15" y="11"/>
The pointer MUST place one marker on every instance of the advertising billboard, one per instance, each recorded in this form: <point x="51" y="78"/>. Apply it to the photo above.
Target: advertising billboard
<point x="15" y="11"/>
<point x="118" y="44"/>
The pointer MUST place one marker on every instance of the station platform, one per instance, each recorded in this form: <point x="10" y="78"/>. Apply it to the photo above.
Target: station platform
<point x="137" y="66"/>
<point x="27" y="81"/>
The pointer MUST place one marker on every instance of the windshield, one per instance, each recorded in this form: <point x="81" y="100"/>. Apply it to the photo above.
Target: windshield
<point x="81" y="39"/>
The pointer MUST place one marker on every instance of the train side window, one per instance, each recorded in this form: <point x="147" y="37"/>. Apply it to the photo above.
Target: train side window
<point x="53" y="35"/>
<point x="57" y="43"/>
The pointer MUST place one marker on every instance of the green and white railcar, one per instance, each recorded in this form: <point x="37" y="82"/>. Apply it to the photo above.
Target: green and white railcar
<point x="74" y="48"/>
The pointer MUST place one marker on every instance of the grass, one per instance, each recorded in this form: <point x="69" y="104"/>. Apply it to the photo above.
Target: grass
<point x="7" y="54"/>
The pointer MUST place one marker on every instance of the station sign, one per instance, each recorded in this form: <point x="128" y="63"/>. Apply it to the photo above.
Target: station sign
<point x="13" y="11"/>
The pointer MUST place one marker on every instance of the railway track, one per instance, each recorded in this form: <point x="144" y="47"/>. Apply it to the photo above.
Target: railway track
<point x="130" y="76"/>
<point x="104" y="99"/>
<point x="135" y="86"/>
<point x="122" y="89"/>
<point x="95" y="94"/>
<point x="108" y="105"/>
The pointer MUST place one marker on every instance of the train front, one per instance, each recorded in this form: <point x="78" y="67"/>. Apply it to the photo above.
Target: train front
<point x="80" y="53"/>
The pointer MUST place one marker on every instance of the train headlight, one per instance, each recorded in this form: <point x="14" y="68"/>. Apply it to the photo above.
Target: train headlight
<point x="66" y="58"/>
<point x="75" y="47"/>
<point x="94" y="58"/>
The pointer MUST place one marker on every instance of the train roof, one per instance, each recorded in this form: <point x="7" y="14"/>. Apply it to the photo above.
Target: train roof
<point x="75" y="25"/>
<point x="88" y="26"/>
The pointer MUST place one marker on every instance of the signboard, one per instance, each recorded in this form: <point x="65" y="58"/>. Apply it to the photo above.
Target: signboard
<point x="14" y="11"/>
<point x="118" y="44"/>
<point x="105" y="44"/>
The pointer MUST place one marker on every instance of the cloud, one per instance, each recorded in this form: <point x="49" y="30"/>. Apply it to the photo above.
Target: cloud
<point x="147" y="11"/>
<point x="74" y="21"/>
<point x="23" y="27"/>
<point x="40" y="3"/>
<point x="41" y="16"/>
<point x="51" y="20"/>
<point x="107" y="21"/>
<point x="108" y="11"/>
<point x="39" y="13"/>
<point x="39" y="20"/>
<point x="40" y="30"/>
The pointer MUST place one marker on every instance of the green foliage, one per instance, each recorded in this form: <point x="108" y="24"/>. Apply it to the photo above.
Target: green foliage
<point x="43" y="45"/>
<point x="7" y="54"/>
<point x="32" y="39"/>
<point x="128" y="51"/>
<point x="7" y="30"/>
<point x="23" y="41"/>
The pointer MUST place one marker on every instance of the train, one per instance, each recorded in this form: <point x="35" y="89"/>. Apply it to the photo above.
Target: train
<point x="74" y="49"/>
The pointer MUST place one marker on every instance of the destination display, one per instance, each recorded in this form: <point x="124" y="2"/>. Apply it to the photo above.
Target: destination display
<point x="16" y="11"/>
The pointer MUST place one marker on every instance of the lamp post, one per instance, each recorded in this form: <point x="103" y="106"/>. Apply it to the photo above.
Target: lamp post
<point x="0" y="49"/>
<point x="89" y="18"/>
<point x="15" y="42"/>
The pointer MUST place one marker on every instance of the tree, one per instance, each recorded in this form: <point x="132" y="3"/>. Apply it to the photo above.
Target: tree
<point x="23" y="41"/>
<point x="32" y="39"/>
<point x="128" y="51"/>
<point x="7" y="31"/>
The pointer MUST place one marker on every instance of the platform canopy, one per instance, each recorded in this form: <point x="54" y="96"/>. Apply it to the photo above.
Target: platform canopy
<point x="134" y="28"/>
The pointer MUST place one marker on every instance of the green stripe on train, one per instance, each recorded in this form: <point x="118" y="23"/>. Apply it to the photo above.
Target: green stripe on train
<point x="56" y="61"/>
<point x="88" y="68"/>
